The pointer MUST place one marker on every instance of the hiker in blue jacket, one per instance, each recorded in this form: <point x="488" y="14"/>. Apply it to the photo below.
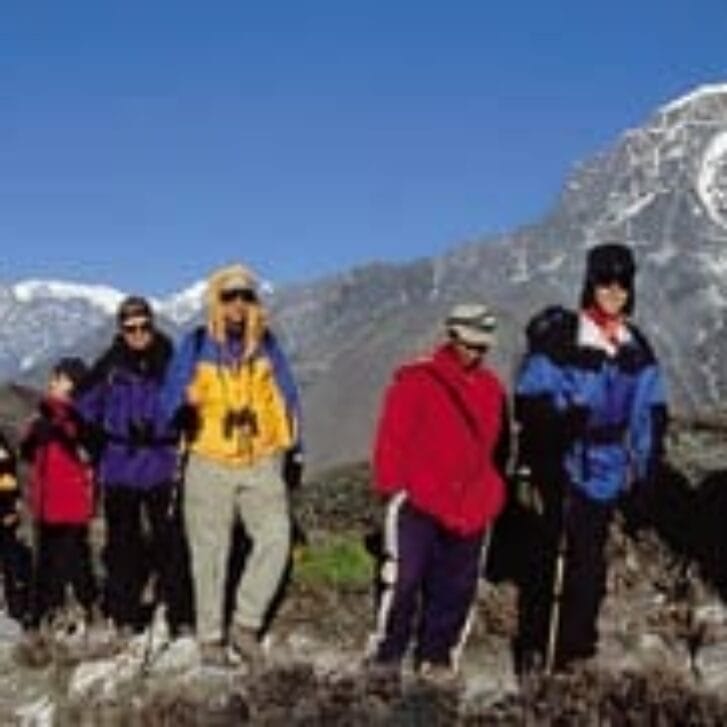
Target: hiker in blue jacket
<point x="137" y="470"/>
<point x="591" y="404"/>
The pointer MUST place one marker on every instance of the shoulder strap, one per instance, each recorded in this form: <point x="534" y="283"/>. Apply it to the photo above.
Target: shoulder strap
<point x="456" y="399"/>
<point x="199" y="334"/>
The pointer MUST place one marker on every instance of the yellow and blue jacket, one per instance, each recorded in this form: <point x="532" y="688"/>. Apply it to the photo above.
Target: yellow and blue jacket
<point x="244" y="405"/>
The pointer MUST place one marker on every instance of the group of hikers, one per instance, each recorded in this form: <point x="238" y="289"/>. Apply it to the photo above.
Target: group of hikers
<point x="181" y="447"/>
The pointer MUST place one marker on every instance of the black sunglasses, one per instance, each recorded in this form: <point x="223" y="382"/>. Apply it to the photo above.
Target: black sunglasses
<point x="137" y="327"/>
<point x="476" y="347"/>
<point x="244" y="294"/>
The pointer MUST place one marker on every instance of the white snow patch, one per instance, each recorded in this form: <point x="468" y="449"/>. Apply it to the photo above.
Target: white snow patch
<point x="552" y="265"/>
<point x="716" y="265"/>
<point x="521" y="274"/>
<point x="663" y="256"/>
<point x="713" y="194"/>
<point x="27" y="362"/>
<point x="182" y="306"/>
<point x="100" y="296"/>
<point x="704" y="91"/>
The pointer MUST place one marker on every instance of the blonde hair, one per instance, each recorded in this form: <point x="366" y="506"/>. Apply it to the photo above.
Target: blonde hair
<point x="256" y="317"/>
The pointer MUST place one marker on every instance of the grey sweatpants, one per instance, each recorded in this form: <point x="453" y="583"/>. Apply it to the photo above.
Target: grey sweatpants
<point x="214" y="496"/>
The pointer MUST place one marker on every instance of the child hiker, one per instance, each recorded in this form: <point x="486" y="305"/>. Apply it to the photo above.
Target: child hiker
<point x="61" y="499"/>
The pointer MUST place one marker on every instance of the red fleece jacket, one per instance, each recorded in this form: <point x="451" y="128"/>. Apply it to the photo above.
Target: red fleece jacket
<point x="425" y="447"/>
<point x="61" y="483"/>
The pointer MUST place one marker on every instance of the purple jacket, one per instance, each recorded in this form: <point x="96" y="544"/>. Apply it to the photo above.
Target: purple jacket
<point x="120" y="399"/>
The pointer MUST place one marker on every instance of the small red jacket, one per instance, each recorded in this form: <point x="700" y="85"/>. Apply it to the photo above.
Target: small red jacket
<point x="427" y="447"/>
<point x="61" y="482"/>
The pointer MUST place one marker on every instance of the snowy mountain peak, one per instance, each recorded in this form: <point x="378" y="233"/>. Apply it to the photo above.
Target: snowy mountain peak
<point x="700" y="93"/>
<point x="100" y="296"/>
<point x="178" y="307"/>
<point x="184" y="305"/>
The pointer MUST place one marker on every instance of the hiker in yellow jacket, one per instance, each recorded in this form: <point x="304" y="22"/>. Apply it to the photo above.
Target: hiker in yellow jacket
<point x="230" y="386"/>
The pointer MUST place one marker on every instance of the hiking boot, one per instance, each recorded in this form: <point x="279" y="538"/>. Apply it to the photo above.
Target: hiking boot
<point x="124" y="633"/>
<point x="383" y="679"/>
<point x="33" y="650"/>
<point x="442" y="675"/>
<point x="245" y="642"/>
<point x="181" y="654"/>
<point x="213" y="653"/>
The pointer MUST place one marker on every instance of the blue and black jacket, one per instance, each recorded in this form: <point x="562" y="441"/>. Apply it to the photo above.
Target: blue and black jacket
<point x="592" y="417"/>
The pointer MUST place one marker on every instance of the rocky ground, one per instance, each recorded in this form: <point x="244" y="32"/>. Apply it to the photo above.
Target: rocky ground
<point x="663" y="657"/>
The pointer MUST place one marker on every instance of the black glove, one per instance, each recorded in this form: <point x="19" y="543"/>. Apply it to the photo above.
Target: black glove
<point x="186" y="422"/>
<point x="293" y="468"/>
<point x="636" y="507"/>
<point x="525" y="493"/>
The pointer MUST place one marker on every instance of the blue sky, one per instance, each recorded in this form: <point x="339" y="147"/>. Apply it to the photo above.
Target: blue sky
<point x="144" y="143"/>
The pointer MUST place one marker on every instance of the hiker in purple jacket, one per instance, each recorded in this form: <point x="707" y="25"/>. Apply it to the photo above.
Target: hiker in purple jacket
<point x="137" y="470"/>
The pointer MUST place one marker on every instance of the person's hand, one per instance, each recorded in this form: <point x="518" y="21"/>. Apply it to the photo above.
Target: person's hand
<point x="187" y="422"/>
<point x="293" y="468"/>
<point x="11" y="519"/>
<point x="527" y="496"/>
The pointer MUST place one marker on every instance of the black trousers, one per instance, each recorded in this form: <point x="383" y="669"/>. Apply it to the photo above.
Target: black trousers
<point x="17" y="571"/>
<point x="144" y="537"/>
<point x="63" y="558"/>
<point x="586" y="524"/>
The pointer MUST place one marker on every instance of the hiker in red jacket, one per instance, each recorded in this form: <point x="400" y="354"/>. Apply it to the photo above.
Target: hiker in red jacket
<point x="61" y="497"/>
<point x="441" y="447"/>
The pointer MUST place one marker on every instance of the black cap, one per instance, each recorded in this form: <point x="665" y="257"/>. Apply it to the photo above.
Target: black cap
<point x="611" y="261"/>
<point x="72" y="367"/>
<point x="134" y="306"/>
<point x="606" y="263"/>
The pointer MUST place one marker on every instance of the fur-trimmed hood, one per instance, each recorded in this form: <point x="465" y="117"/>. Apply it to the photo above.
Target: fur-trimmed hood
<point x="257" y="318"/>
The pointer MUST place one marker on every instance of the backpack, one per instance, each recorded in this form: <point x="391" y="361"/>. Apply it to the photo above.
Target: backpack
<point x="552" y="331"/>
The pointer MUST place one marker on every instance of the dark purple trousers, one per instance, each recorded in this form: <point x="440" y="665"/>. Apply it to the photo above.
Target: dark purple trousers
<point x="429" y="577"/>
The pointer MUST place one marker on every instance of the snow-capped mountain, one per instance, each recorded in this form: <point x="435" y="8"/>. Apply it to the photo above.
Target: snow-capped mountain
<point x="662" y="188"/>
<point x="178" y="307"/>
<point x="39" y="318"/>
<point x="102" y="297"/>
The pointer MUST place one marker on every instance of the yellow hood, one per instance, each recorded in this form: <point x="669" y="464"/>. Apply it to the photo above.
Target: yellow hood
<point x="256" y="321"/>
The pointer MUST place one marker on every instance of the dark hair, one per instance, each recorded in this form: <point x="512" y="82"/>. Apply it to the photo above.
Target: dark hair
<point x="72" y="367"/>
<point x="134" y="306"/>
<point x="606" y="262"/>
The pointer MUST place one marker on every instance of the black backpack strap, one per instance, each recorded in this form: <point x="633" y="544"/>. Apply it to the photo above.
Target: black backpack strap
<point x="199" y="335"/>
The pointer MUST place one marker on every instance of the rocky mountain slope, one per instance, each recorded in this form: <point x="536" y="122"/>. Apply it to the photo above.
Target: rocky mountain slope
<point x="661" y="187"/>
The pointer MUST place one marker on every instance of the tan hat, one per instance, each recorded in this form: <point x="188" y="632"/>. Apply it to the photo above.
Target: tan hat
<point x="472" y="323"/>
<point x="237" y="277"/>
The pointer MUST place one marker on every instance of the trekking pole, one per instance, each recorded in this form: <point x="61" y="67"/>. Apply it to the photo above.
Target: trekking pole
<point x="557" y="593"/>
<point x="557" y="596"/>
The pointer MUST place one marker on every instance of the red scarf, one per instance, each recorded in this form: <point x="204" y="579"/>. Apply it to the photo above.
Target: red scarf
<point x="609" y="325"/>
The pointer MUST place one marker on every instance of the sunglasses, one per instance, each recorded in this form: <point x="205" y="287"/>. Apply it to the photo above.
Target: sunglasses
<point x="244" y="294"/>
<point x="475" y="347"/>
<point x="131" y="328"/>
